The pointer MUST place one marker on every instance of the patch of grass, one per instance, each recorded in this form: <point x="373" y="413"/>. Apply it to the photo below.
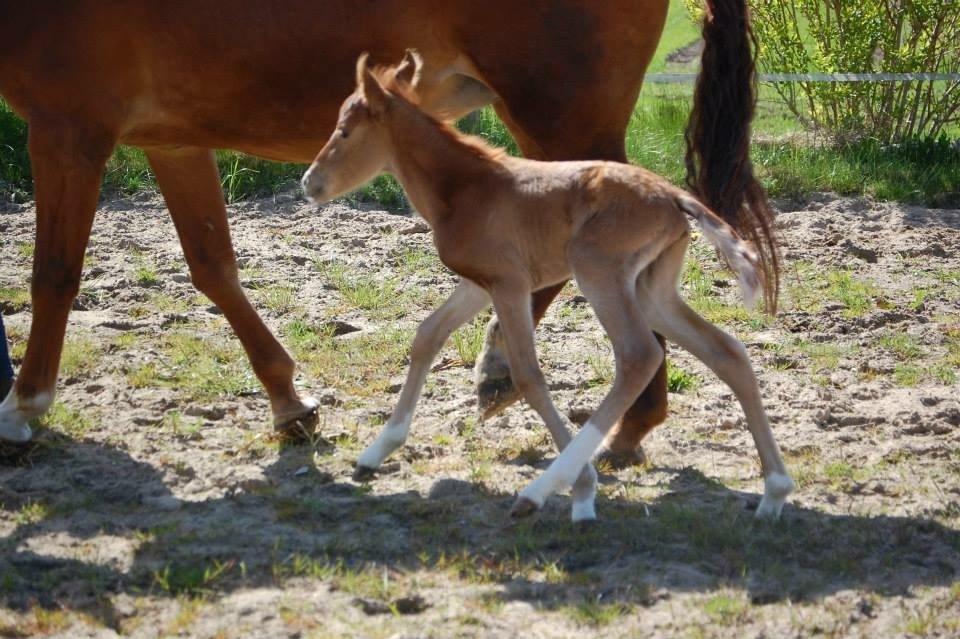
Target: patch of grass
<point x="823" y="356"/>
<point x="192" y="579"/>
<point x="14" y="300"/>
<point x="904" y="346"/>
<point x="596" y="614"/>
<point x="803" y="287"/>
<point x="725" y="609"/>
<point x="381" y="298"/>
<point x="81" y="356"/>
<point x="360" y="365"/>
<point x="908" y="375"/>
<point x="279" y="298"/>
<point x="145" y="271"/>
<point x="600" y="361"/>
<point x="32" y="512"/>
<point x="203" y="367"/>
<point x="681" y="381"/>
<point x="65" y="419"/>
<point x="417" y="261"/>
<point x="857" y="296"/>
<point x="468" y="340"/>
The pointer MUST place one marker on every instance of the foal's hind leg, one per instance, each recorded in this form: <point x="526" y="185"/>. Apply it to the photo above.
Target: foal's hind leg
<point x="190" y="184"/>
<point x="725" y="356"/>
<point x="68" y="159"/>
<point x="463" y="304"/>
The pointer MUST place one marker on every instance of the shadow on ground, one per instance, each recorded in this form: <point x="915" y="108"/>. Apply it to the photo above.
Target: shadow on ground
<point x="699" y="536"/>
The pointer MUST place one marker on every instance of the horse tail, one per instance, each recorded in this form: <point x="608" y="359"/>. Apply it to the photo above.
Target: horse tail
<point x="719" y="170"/>
<point x="741" y="259"/>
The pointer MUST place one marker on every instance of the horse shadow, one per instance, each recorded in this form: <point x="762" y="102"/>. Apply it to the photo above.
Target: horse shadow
<point x="118" y="529"/>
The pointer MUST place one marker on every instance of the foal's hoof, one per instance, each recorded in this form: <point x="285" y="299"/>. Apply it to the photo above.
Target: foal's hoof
<point x="299" y="424"/>
<point x="494" y="395"/>
<point x="523" y="508"/>
<point x="364" y="473"/>
<point x="620" y="459"/>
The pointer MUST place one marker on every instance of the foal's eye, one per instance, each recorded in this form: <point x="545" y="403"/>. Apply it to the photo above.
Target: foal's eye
<point x="344" y="134"/>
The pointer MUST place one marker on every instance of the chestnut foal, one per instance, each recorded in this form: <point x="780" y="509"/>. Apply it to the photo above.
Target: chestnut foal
<point x="511" y="226"/>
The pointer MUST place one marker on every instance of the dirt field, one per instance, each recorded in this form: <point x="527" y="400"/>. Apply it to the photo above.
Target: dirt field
<point x="154" y="502"/>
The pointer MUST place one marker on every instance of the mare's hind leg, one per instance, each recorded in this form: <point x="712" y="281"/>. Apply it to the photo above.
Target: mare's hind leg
<point x="725" y="356"/>
<point x="190" y="184"/>
<point x="68" y="159"/>
<point x="464" y="303"/>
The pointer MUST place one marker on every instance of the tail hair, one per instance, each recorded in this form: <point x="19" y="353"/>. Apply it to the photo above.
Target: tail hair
<point x="738" y="255"/>
<point x="718" y="164"/>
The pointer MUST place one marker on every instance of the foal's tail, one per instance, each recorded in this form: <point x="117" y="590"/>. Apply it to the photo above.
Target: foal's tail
<point x="740" y="257"/>
<point x="718" y="135"/>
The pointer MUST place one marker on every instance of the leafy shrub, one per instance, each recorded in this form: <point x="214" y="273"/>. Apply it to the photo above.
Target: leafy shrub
<point x="864" y="36"/>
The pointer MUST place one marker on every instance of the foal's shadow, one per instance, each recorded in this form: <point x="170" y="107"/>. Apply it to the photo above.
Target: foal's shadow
<point x="699" y="536"/>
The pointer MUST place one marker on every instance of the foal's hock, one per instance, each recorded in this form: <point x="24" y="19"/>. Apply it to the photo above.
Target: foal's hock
<point x="510" y="226"/>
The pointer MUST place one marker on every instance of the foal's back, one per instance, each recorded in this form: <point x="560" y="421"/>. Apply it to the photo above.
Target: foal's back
<point x="618" y="207"/>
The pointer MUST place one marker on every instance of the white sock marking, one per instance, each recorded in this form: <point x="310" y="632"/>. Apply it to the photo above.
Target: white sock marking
<point x="394" y="435"/>
<point x="776" y="487"/>
<point x="565" y="468"/>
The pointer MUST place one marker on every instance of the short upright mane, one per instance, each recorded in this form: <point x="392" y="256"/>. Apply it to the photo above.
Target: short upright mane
<point x="387" y="77"/>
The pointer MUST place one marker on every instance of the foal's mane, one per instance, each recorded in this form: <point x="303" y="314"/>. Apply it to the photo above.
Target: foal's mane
<point x="480" y="148"/>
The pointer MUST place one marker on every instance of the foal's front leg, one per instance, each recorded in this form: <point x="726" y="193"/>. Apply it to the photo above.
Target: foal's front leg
<point x="463" y="305"/>
<point x="516" y="321"/>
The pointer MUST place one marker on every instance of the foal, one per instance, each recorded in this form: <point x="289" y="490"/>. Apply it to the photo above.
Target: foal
<point x="510" y="226"/>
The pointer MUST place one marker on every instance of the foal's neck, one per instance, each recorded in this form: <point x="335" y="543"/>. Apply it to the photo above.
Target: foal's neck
<point x="436" y="166"/>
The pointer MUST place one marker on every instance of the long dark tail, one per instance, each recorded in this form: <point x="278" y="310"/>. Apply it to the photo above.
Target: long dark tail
<point x="718" y="163"/>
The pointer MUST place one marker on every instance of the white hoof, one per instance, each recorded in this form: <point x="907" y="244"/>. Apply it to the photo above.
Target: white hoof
<point x="776" y="488"/>
<point x="14" y="432"/>
<point x="583" y="511"/>
<point x="13" y="424"/>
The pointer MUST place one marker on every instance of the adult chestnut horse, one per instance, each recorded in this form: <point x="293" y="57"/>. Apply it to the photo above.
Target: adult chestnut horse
<point x="266" y="77"/>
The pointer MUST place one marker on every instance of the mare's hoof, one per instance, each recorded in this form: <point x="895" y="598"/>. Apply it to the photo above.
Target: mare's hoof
<point x="523" y="508"/>
<point x="620" y="459"/>
<point x="494" y="395"/>
<point x="364" y="473"/>
<point x="299" y="425"/>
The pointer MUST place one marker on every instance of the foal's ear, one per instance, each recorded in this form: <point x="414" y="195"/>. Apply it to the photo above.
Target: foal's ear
<point x="409" y="70"/>
<point x="370" y="88"/>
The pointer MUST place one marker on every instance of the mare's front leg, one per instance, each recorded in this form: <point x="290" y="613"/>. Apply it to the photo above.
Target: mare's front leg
<point x="516" y="322"/>
<point x="68" y="159"/>
<point x="190" y="183"/>
<point x="464" y="303"/>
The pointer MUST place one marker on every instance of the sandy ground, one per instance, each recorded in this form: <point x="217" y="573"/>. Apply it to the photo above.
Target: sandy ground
<point x="156" y="504"/>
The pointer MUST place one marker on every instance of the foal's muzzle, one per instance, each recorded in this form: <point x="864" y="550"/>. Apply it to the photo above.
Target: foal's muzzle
<point x="313" y="187"/>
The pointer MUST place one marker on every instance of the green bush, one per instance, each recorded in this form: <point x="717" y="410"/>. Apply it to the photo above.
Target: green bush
<point x="864" y="36"/>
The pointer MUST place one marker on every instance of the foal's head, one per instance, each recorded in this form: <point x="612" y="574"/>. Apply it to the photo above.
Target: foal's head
<point x="359" y="148"/>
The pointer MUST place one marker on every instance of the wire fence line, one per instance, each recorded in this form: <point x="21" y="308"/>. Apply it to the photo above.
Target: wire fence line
<point x="690" y="78"/>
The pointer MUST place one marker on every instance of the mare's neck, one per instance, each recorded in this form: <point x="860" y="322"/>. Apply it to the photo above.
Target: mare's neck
<point x="434" y="167"/>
